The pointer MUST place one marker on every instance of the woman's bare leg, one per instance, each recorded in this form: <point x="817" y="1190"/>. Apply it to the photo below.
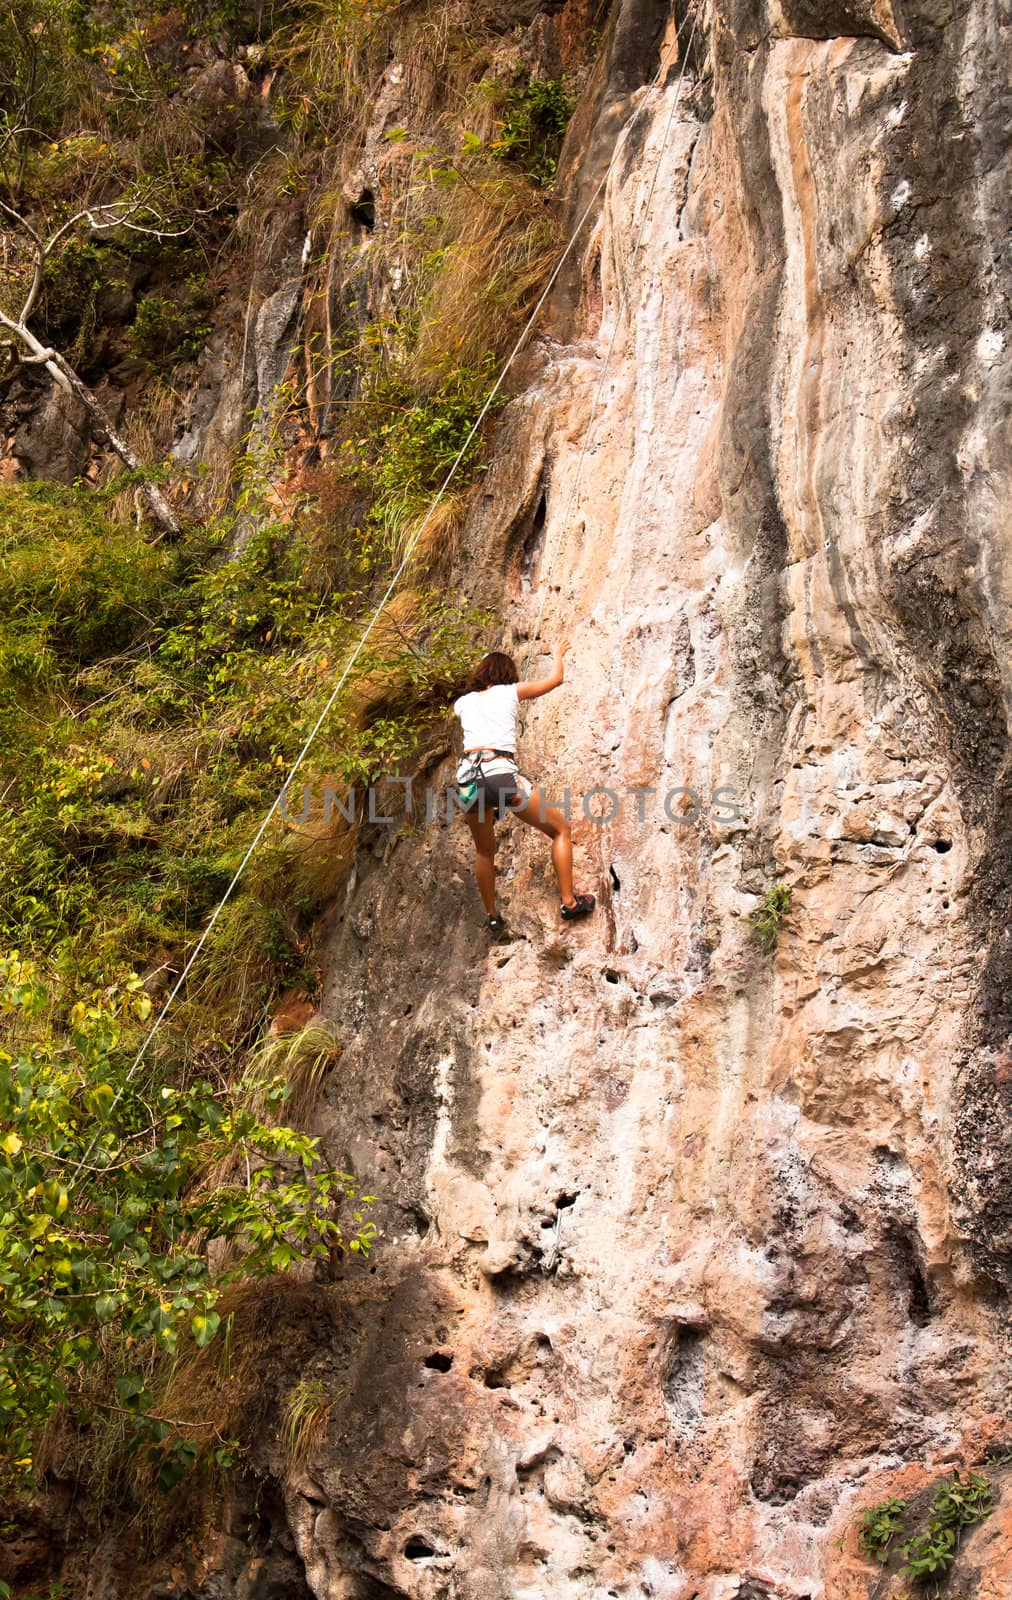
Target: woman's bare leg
<point x="483" y="834"/>
<point x="550" y="820"/>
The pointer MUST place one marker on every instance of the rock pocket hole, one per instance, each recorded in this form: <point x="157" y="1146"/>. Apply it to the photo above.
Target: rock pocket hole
<point x="943" y="846"/>
<point x="496" y="1380"/>
<point x="533" y="539"/>
<point x="363" y="212"/>
<point x="919" y="1296"/>
<point x="564" y="1201"/>
<point x="613" y="875"/>
<point x="684" y="1382"/>
<point x="438" y="1361"/>
<point x="418" y="1549"/>
<point x="914" y="1283"/>
<point x="610" y="975"/>
<point x="418" y="1220"/>
<point x="540" y="514"/>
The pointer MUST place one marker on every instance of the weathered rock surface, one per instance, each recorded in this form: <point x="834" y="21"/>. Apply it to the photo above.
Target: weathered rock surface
<point x="691" y="1252"/>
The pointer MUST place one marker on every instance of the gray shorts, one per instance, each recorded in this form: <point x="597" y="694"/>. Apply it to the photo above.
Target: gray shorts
<point x="494" y="786"/>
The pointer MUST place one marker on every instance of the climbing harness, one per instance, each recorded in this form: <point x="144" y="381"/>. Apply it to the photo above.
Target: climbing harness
<point x="498" y="787"/>
<point x="419" y="531"/>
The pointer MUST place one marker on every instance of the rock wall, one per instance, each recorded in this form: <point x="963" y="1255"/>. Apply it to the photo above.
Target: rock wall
<point x="691" y="1252"/>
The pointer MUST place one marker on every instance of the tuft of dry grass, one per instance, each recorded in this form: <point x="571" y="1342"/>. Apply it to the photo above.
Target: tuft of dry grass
<point x="412" y="516"/>
<point x="220" y="1391"/>
<point x="303" y="1059"/>
<point x="322" y="849"/>
<point x="236" y="969"/>
<point x="438" y="533"/>
<point x="148" y="430"/>
<point x="307" y="1412"/>
<point x="334" y="57"/>
<point x="501" y="244"/>
<point x="377" y="686"/>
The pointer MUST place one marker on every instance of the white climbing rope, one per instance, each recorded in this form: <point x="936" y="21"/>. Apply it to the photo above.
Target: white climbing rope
<point x="619" y="315"/>
<point x="413" y="542"/>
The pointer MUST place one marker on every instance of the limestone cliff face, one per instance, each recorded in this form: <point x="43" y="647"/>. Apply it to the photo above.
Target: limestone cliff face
<point x="691" y="1252"/>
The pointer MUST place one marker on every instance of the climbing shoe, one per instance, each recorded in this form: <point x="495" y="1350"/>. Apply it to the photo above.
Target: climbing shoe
<point x="494" y="923"/>
<point x="583" y="905"/>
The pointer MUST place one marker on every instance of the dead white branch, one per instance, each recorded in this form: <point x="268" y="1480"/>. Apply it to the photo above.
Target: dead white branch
<point x="33" y="352"/>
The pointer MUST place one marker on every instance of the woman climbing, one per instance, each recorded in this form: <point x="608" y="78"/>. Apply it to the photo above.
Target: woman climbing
<point x="488" y="780"/>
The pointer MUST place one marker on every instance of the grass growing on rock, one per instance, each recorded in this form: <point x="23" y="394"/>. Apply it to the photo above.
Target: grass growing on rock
<point x="154" y="698"/>
<point x="770" y="916"/>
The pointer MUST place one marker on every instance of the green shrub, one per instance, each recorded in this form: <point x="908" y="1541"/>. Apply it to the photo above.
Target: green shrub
<point x="535" y="120"/>
<point x="105" y="1223"/>
<point x="400" y="442"/>
<point x="172" y="328"/>
<point x="42" y="75"/>
<point x="73" y="585"/>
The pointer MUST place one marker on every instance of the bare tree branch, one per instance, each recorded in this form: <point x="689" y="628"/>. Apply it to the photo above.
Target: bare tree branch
<point x="21" y="221"/>
<point x="32" y="352"/>
<point x="99" y="223"/>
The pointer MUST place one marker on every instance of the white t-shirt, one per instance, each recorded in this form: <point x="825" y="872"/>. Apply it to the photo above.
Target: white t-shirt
<point x="489" y="717"/>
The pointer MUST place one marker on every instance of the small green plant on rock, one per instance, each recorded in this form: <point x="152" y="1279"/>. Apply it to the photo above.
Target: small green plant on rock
<point x="534" y="122"/>
<point x="958" y="1503"/>
<point x="930" y="1551"/>
<point x="880" y="1525"/>
<point x="172" y="328"/>
<point x="770" y="915"/>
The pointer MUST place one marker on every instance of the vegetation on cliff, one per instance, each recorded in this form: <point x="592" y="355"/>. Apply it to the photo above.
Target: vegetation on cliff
<point x="154" y="691"/>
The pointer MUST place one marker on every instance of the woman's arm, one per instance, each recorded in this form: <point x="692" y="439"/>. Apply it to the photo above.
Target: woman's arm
<point x="531" y="691"/>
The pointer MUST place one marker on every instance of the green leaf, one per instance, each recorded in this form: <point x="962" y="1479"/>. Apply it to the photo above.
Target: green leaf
<point x="130" y="1388"/>
<point x="205" y="1326"/>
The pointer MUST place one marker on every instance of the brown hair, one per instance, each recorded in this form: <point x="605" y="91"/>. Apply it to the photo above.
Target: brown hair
<point x="492" y="669"/>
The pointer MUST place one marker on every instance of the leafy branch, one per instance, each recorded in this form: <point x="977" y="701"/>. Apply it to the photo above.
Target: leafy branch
<point x="107" y="1214"/>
